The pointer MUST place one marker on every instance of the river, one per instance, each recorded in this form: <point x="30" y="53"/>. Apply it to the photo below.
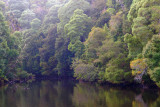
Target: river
<point x="68" y="93"/>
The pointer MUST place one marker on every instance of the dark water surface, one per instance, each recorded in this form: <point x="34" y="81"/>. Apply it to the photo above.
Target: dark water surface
<point x="67" y="93"/>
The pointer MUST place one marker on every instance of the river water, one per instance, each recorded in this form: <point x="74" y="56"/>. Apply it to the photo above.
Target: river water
<point x="67" y="93"/>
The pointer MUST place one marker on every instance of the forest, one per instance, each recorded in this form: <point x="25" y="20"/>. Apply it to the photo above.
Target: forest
<point x="114" y="41"/>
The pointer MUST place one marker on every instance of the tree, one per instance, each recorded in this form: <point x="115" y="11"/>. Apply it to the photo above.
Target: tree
<point x="141" y="30"/>
<point x="77" y="30"/>
<point x="66" y="12"/>
<point x="63" y="56"/>
<point x="9" y="51"/>
<point x="38" y="7"/>
<point x="35" y="24"/>
<point x="103" y="19"/>
<point x="51" y="3"/>
<point x="115" y="25"/>
<point x="94" y="41"/>
<point x="30" y="53"/>
<point x="17" y="7"/>
<point x="25" y="19"/>
<point x="111" y="3"/>
<point x="83" y="71"/>
<point x="98" y="8"/>
<point x="134" y="45"/>
<point x="151" y="52"/>
<point x="2" y="5"/>
<point x="139" y="69"/>
<point x="115" y="66"/>
<point x="50" y="19"/>
<point x="48" y="61"/>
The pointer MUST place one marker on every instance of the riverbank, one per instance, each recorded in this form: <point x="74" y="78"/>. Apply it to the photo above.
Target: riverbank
<point x="51" y="78"/>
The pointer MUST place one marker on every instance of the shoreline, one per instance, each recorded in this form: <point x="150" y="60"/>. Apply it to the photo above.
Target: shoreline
<point x="108" y="84"/>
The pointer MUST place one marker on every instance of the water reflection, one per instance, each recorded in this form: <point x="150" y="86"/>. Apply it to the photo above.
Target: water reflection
<point x="72" y="94"/>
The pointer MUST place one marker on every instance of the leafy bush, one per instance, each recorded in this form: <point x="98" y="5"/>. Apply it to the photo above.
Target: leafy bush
<point x="85" y="72"/>
<point x="21" y="74"/>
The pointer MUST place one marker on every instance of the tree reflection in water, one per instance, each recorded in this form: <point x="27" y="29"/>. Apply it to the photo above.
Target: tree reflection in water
<point x="68" y="93"/>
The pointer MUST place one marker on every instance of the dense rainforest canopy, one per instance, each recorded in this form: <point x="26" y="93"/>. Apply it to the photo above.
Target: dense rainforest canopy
<point x="116" y="41"/>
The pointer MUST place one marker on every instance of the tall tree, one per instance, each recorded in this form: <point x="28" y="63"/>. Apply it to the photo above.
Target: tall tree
<point x="65" y="12"/>
<point x="77" y="30"/>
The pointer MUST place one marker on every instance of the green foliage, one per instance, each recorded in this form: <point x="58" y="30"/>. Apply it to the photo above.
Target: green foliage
<point x="114" y="75"/>
<point x="94" y="41"/>
<point x="155" y="23"/>
<point x="127" y="3"/>
<point x="98" y="8"/>
<point x="18" y="4"/>
<point x="139" y="69"/>
<point x="77" y="48"/>
<point x="4" y="49"/>
<point x="111" y="3"/>
<point x="123" y="5"/>
<point x="141" y="16"/>
<point x="151" y="52"/>
<point x="47" y="37"/>
<point x="116" y="65"/>
<point x="51" y="3"/>
<point x="111" y="11"/>
<point x="31" y="60"/>
<point x="2" y="5"/>
<point x="77" y="30"/>
<point x="25" y="19"/>
<point x="115" y="25"/>
<point x="134" y="45"/>
<point x="23" y="75"/>
<point x="9" y="49"/>
<point x="35" y="24"/>
<point x="12" y="53"/>
<point x="141" y="31"/>
<point x="83" y="71"/>
<point x="66" y="12"/>
<point x="48" y="61"/>
<point x="17" y="7"/>
<point x="51" y="18"/>
<point x="63" y="56"/>
<point x="155" y="74"/>
<point x="103" y="19"/>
